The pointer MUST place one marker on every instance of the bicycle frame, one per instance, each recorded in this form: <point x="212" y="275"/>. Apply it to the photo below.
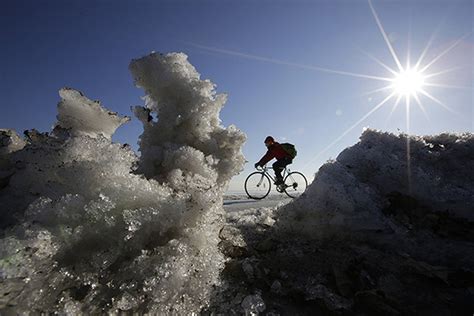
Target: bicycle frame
<point x="265" y="169"/>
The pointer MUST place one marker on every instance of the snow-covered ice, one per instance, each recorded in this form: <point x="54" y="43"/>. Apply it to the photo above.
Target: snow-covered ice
<point x="89" y="227"/>
<point x="350" y="192"/>
<point x="81" y="116"/>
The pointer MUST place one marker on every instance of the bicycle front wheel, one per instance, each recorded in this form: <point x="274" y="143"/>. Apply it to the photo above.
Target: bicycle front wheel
<point x="295" y="184"/>
<point x="257" y="185"/>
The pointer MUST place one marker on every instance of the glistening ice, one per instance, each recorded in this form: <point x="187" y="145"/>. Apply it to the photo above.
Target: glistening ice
<point x="88" y="227"/>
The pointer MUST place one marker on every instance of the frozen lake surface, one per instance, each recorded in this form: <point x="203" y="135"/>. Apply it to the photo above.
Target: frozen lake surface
<point x="239" y="202"/>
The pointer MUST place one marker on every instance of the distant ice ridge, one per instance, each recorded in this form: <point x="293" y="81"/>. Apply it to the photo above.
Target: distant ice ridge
<point x="88" y="227"/>
<point x="349" y="194"/>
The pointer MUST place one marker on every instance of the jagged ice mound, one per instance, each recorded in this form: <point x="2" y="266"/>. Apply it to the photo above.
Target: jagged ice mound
<point x="351" y="192"/>
<point x="88" y="227"/>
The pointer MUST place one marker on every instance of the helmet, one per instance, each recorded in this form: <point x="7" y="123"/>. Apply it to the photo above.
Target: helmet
<point x="269" y="139"/>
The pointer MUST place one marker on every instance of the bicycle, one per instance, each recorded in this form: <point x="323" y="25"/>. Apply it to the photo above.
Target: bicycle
<point x="258" y="183"/>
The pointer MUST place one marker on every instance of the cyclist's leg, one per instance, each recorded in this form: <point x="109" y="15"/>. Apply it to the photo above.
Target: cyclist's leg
<point x="278" y="167"/>
<point x="286" y="162"/>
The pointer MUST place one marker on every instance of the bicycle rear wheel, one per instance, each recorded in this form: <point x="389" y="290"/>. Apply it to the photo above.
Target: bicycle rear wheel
<point x="295" y="184"/>
<point x="257" y="185"/>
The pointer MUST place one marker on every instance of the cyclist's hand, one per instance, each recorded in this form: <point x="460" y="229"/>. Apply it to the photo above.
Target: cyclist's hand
<point x="256" y="165"/>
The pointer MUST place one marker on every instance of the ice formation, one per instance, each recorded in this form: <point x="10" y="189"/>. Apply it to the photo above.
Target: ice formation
<point x="81" y="116"/>
<point x="88" y="227"/>
<point x="10" y="142"/>
<point x="350" y="192"/>
<point x="187" y="137"/>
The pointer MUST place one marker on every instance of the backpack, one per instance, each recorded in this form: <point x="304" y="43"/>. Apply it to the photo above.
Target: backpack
<point x="290" y="149"/>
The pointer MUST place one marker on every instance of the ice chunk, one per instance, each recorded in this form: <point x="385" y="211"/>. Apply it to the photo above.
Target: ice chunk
<point x="10" y="141"/>
<point x="188" y="116"/>
<point x="82" y="116"/>
<point x="253" y="304"/>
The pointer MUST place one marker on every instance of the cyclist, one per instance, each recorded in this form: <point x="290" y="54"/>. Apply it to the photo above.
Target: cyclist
<point x="275" y="150"/>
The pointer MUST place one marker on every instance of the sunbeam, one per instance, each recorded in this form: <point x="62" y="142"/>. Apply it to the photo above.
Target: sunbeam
<point x="442" y="72"/>
<point x="378" y="61"/>
<point x="447" y="86"/>
<point x="285" y="63"/>
<point x="407" y="103"/>
<point x="425" y="93"/>
<point x="427" y="47"/>
<point x="387" y="41"/>
<point x="456" y="43"/>
<point x="351" y="128"/>
<point x="421" y="106"/>
<point x="394" y="107"/>
<point x="385" y="88"/>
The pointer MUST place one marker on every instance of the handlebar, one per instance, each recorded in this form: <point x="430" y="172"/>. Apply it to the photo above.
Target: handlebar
<point x="259" y="168"/>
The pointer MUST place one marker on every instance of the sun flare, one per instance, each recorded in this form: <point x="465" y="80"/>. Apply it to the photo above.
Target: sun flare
<point x="408" y="82"/>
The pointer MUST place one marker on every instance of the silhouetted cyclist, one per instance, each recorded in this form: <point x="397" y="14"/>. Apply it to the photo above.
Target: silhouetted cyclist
<point x="280" y="152"/>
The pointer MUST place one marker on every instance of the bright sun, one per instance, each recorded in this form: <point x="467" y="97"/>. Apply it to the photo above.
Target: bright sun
<point x="408" y="82"/>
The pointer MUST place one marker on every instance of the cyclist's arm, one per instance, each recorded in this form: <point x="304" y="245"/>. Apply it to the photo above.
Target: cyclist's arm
<point x="266" y="158"/>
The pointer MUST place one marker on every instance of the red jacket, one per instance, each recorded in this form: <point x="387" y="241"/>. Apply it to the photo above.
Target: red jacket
<point x="274" y="151"/>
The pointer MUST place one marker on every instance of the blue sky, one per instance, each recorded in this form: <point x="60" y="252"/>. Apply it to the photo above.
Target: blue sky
<point x="87" y="45"/>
